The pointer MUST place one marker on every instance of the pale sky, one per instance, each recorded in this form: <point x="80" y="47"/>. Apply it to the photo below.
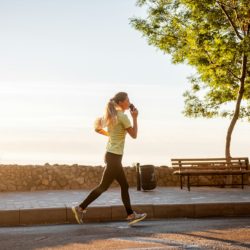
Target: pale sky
<point x="61" y="61"/>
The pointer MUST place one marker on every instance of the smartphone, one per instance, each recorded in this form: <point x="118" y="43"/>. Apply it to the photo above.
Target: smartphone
<point x="132" y="107"/>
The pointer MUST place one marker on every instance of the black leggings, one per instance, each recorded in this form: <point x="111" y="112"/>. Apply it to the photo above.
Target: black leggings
<point x="113" y="171"/>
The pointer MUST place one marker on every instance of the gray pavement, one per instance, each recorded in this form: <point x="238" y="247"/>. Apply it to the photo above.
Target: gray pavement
<point x="53" y="206"/>
<point x="161" y="195"/>
<point x="193" y="234"/>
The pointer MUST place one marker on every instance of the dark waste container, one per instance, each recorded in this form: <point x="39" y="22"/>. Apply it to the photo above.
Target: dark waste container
<point x="147" y="177"/>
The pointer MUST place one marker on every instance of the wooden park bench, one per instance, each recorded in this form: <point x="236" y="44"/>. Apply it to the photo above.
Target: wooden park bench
<point x="211" y="167"/>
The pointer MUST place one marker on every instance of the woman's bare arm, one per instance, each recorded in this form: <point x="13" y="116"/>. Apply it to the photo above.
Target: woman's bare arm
<point x="98" y="127"/>
<point x="133" y="130"/>
<point x="102" y="131"/>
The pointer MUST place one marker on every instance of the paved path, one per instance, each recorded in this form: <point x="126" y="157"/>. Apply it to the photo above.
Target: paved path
<point x="161" y="195"/>
<point x="22" y="208"/>
<point x="192" y="234"/>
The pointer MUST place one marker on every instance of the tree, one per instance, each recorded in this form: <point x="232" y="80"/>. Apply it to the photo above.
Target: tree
<point x="213" y="36"/>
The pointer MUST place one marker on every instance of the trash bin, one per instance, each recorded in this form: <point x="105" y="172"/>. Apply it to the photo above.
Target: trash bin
<point x="147" y="177"/>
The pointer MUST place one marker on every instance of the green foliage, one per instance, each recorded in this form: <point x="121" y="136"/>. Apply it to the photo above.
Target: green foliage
<point x="211" y="36"/>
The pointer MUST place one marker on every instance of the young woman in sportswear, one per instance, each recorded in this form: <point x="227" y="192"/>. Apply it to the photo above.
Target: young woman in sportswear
<point x="118" y="125"/>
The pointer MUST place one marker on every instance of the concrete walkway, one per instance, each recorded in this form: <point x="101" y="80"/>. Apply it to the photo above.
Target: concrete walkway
<point x="53" y="206"/>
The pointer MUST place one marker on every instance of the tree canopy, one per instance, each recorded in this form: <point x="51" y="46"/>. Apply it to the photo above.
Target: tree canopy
<point x="213" y="36"/>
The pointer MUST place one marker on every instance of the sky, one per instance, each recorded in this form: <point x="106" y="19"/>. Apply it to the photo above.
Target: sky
<point x="61" y="61"/>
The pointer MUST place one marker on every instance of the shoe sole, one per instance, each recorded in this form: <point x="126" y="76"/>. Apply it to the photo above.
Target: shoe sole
<point x="76" y="215"/>
<point x="137" y="220"/>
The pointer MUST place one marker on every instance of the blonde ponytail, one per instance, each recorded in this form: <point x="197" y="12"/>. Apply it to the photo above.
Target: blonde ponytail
<point x="109" y="118"/>
<point x="110" y="114"/>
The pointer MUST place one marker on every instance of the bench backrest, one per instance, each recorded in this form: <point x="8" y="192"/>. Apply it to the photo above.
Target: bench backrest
<point x="212" y="163"/>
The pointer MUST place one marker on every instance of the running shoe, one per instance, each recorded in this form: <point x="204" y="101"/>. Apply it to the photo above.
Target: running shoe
<point x="136" y="217"/>
<point x="78" y="212"/>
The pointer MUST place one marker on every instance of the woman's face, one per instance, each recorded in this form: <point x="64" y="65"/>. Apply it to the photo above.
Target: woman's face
<point x="124" y="104"/>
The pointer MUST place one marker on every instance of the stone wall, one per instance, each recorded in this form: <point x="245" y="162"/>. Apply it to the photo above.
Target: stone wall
<point x="47" y="177"/>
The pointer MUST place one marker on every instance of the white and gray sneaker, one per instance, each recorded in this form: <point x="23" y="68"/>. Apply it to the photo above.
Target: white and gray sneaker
<point x="78" y="212"/>
<point x="135" y="217"/>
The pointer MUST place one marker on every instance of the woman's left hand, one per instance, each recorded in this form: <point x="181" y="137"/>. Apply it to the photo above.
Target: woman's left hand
<point x="134" y="113"/>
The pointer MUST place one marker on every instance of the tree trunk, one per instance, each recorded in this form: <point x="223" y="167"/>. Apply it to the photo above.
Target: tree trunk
<point x="237" y="108"/>
<point x="229" y="178"/>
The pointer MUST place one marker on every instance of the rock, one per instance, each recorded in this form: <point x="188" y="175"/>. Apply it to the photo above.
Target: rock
<point x="74" y="185"/>
<point x="11" y="188"/>
<point x="45" y="182"/>
<point x="80" y="180"/>
<point x="62" y="181"/>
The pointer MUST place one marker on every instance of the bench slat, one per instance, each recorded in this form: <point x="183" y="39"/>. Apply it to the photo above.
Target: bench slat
<point x="209" y="163"/>
<point x="209" y="172"/>
<point x="211" y="168"/>
<point x="208" y="159"/>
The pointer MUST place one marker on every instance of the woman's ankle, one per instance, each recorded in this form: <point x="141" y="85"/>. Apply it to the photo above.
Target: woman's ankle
<point x="81" y="209"/>
<point x="130" y="216"/>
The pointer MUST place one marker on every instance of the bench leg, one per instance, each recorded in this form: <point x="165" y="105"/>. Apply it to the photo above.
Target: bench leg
<point x="188" y="183"/>
<point x="181" y="181"/>
<point x="242" y="179"/>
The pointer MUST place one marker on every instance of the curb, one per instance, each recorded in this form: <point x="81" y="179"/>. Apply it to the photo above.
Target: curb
<point x="62" y="215"/>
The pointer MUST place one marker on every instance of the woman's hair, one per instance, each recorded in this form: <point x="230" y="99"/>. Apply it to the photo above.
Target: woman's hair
<point x="110" y="114"/>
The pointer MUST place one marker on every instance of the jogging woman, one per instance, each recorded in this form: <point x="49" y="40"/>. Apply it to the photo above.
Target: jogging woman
<point x="118" y="125"/>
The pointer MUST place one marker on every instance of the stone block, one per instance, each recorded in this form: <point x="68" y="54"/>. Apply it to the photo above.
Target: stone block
<point x="213" y="210"/>
<point x="118" y="213"/>
<point x="241" y="209"/>
<point x="9" y="217"/>
<point x="42" y="216"/>
<point x="173" y="210"/>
